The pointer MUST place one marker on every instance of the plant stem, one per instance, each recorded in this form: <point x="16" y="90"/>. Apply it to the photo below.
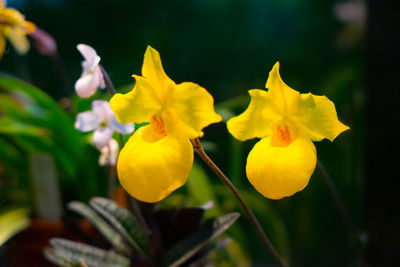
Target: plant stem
<point x="336" y="197"/>
<point x="111" y="90"/>
<point x="109" y="85"/>
<point x="139" y="215"/>
<point x="111" y="181"/>
<point x="60" y="65"/>
<point x="135" y="206"/>
<point x="200" y="151"/>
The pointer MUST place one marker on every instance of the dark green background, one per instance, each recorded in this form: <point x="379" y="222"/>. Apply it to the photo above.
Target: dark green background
<point x="229" y="47"/>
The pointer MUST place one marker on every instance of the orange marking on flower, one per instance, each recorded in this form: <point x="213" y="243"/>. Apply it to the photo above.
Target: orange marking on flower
<point x="158" y="125"/>
<point x="283" y="135"/>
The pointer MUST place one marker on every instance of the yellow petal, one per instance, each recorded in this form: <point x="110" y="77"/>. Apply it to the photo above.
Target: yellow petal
<point x="190" y="108"/>
<point x="153" y="70"/>
<point x="282" y="96"/>
<point x="17" y="37"/>
<point x="29" y="27"/>
<point x="150" y="171"/>
<point x="256" y="120"/>
<point x="139" y="105"/>
<point x="317" y="118"/>
<point x="277" y="171"/>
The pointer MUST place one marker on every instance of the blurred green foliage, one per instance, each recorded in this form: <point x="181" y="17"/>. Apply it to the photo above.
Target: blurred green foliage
<point x="226" y="46"/>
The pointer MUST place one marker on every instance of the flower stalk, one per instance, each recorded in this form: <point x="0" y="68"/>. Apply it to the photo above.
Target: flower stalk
<point x="336" y="197"/>
<point x="111" y="181"/>
<point x="111" y="90"/>
<point x="249" y="213"/>
<point x="107" y="80"/>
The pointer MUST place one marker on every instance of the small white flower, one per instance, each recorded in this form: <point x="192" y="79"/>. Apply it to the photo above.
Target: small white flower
<point x="109" y="153"/>
<point x="101" y="119"/>
<point x="91" y="77"/>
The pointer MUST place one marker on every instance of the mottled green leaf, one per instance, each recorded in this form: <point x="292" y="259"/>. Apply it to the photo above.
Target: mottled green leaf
<point x="125" y="222"/>
<point x="102" y="226"/>
<point x="65" y="251"/>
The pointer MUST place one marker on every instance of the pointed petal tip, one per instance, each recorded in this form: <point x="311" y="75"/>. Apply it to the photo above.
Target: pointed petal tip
<point x="150" y="49"/>
<point x="340" y="129"/>
<point x="272" y="74"/>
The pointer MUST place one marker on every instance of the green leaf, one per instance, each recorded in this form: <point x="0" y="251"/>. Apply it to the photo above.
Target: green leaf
<point x="65" y="251"/>
<point x="189" y="246"/>
<point x="233" y="103"/>
<point x="175" y="224"/>
<point x="55" y="257"/>
<point x="125" y="222"/>
<point x="220" y="244"/>
<point x="269" y="219"/>
<point x="10" y="127"/>
<point x="102" y="226"/>
<point x="201" y="190"/>
<point x="13" y="222"/>
<point x="28" y="105"/>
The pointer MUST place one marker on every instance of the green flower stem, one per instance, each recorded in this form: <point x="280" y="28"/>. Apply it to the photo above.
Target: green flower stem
<point x="62" y="69"/>
<point x="142" y="221"/>
<point x="200" y="151"/>
<point x="336" y="197"/>
<point x="111" y="181"/>
<point x="111" y="90"/>
<point x="135" y="206"/>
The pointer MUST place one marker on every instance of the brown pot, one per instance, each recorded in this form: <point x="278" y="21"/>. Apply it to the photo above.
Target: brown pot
<point x="26" y="248"/>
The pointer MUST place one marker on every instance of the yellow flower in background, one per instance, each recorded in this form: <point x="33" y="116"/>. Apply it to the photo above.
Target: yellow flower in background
<point x="282" y="162"/>
<point x="157" y="159"/>
<point x="14" y="27"/>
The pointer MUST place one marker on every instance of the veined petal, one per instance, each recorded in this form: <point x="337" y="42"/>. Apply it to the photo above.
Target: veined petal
<point x="100" y="77"/>
<point x="278" y="172"/>
<point x="282" y="96"/>
<point x="139" y="105"/>
<point x="86" y="85"/>
<point x="190" y="108"/>
<point x="150" y="171"/>
<point x="102" y="109"/>
<point x="89" y="54"/>
<point x="102" y="136"/>
<point x="87" y="121"/>
<point x="153" y="70"/>
<point x="17" y="37"/>
<point x="256" y="120"/>
<point x="317" y="118"/>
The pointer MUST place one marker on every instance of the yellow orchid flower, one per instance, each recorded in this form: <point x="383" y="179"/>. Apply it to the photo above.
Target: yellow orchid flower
<point x="14" y="27"/>
<point x="282" y="162"/>
<point x="158" y="157"/>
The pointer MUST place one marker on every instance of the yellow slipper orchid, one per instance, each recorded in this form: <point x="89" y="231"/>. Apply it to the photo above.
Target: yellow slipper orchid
<point x="14" y="27"/>
<point x="282" y="162"/>
<point x="157" y="159"/>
